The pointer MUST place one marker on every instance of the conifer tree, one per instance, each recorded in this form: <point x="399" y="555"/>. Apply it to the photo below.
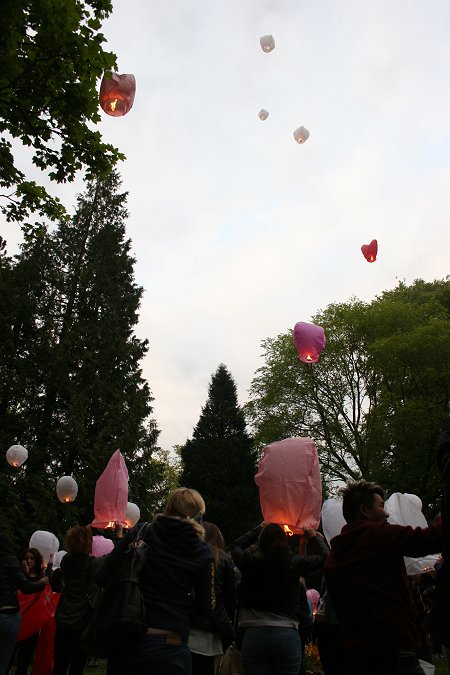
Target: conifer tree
<point x="219" y="460"/>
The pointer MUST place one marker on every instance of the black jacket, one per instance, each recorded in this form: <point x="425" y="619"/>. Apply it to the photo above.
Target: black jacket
<point x="178" y="574"/>
<point x="78" y="571"/>
<point x="11" y="579"/>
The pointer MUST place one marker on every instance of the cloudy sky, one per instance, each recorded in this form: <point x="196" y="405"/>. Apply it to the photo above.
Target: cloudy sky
<point x="238" y="231"/>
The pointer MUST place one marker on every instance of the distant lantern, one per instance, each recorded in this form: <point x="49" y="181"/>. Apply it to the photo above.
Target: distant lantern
<point x="117" y="93"/>
<point x="16" y="455"/>
<point x="267" y="43"/>
<point x="132" y="514"/>
<point x="263" y="114"/>
<point x="309" y="341"/>
<point x="66" y="489"/>
<point x="370" y="251"/>
<point x="301" y="134"/>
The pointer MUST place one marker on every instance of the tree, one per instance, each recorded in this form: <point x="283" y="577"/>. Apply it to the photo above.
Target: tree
<point x="50" y="60"/>
<point x="219" y="460"/>
<point x="71" y="387"/>
<point x="375" y="400"/>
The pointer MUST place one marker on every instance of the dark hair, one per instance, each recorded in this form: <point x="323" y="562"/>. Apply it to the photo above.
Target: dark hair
<point x="274" y="545"/>
<point x="215" y="539"/>
<point x="5" y="543"/>
<point x="38" y="561"/>
<point x="356" y="494"/>
<point x="79" y="539"/>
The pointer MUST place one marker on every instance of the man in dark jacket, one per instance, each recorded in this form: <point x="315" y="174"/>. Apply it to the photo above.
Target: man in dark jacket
<point x="367" y="582"/>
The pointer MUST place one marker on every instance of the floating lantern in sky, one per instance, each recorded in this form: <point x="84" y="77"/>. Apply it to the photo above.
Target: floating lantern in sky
<point x="66" y="489"/>
<point x="370" y="251"/>
<point x="132" y="514"/>
<point x="309" y="341"/>
<point x="111" y="493"/>
<point x="45" y="542"/>
<point x="117" y="93"/>
<point x="263" y="114"/>
<point x="16" y="455"/>
<point x="301" y="135"/>
<point x="290" y="488"/>
<point x="267" y="43"/>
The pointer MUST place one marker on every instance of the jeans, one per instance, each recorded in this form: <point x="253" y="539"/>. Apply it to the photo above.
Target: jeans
<point x="271" y="650"/>
<point x="153" y="655"/>
<point x="9" y="629"/>
<point x="401" y="663"/>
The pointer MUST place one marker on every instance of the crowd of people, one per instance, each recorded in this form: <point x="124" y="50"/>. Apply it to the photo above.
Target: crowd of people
<point x="200" y="599"/>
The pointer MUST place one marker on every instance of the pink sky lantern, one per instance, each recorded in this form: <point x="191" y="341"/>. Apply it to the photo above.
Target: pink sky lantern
<point x="290" y="487"/>
<point x="117" y="93"/>
<point x="313" y="597"/>
<point x="101" y="546"/>
<point x="111" y="493"/>
<point x="309" y="341"/>
<point x="370" y="251"/>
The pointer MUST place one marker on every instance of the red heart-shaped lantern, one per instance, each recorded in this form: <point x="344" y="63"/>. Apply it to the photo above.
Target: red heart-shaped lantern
<point x="370" y="251"/>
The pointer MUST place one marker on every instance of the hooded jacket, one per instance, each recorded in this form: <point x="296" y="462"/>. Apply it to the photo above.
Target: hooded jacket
<point x="178" y="574"/>
<point x="367" y="582"/>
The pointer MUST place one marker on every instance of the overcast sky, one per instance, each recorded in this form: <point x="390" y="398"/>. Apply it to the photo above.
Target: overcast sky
<point x="238" y="231"/>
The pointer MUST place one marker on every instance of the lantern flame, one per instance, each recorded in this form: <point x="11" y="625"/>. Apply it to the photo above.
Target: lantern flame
<point x="308" y="357"/>
<point x="112" y="104"/>
<point x="287" y="530"/>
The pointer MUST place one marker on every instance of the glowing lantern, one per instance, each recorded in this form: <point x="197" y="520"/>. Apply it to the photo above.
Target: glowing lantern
<point x="101" y="546"/>
<point x="263" y="114"/>
<point x="16" y="455"/>
<point x="313" y="597"/>
<point x="370" y="251"/>
<point x="301" y="134"/>
<point x="45" y="542"/>
<point x="332" y="518"/>
<point x="111" y="493"/>
<point x="290" y="488"/>
<point x="132" y="514"/>
<point x="309" y="341"/>
<point x="267" y="43"/>
<point x="117" y="93"/>
<point x="66" y="489"/>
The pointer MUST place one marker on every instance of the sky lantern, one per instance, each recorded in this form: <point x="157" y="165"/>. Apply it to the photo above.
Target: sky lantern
<point x="313" y="596"/>
<point x="370" y="251"/>
<point x="301" y="134"/>
<point x="117" y="93"/>
<point x="111" y="493"/>
<point x="45" y="542"/>
<point x="101" y="546"/>
<point x="132" y="514"/>
<point x="332" y="518"/>
<point x="263" y="114"/>
<point x="290" y="488"/>
<point x="59" y="555"/>
<point x="309" y="341"/>
<point x="66" y="489"/>
<point x="16" y="455"/>
<point x="267" y="43"/>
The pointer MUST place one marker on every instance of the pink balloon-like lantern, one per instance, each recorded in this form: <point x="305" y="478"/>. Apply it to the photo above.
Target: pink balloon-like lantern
<point x="290" y="487"/>
<point x="117" y="93"/>
<point x="313" y="597"/>
<point x="101" y="546"/>
<point x="309" y="341"/>
<point x="111" y="493"/>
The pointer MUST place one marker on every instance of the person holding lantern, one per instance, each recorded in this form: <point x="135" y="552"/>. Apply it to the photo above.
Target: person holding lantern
<point x="367" y="582"/>
<point x="269" y="599"/>
<point x="12" y="578"/>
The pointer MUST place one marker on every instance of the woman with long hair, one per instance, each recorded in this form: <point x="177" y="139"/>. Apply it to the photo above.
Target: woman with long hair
<point x="177" y="578"/>
<point x="269" y="598"/>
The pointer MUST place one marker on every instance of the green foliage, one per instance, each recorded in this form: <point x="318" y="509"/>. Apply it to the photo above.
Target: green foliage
<point x="219" y="460"/>
<point x="51" y="57"/>
<point x="375" y="400"/>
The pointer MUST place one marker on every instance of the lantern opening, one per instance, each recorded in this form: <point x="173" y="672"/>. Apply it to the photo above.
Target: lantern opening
<point x="287" y="530"/>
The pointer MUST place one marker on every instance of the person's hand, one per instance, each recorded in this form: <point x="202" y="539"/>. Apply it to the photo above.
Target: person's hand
<point x="309" y="532"/>
<point x="118" y="529"/>
<point x="25" y="567"/>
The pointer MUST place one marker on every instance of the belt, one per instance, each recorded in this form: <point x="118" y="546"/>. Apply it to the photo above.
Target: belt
<point x="169" y="637"/>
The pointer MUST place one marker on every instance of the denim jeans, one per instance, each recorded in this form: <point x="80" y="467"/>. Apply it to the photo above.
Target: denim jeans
<point x="152" y="654"/>
<point x="9" y="629"/>
<point x="271" y="650"/>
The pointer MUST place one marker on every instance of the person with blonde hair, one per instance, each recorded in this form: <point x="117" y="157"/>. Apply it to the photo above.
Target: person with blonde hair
<point x="177" y="579"/>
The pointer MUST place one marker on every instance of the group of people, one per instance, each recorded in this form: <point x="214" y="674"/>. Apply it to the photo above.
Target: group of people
<point x="199" y="600"/>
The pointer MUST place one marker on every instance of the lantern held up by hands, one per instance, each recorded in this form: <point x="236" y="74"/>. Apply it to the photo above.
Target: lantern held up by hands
<point x="45" y="542"/>
<point x="267" y="43"/>
<point x="117" y="93"/>
<point x="16" y="455"/>
<point x="263" y="114"/>
<point x="309" y="341"/>
<point x="111" y="493"/>
<point x="290" y="488"/>
<point x="132" y="515"/>
<point x="301" y="135"/>
<point x="370" y="251"/>
<point x="66" y="489"/>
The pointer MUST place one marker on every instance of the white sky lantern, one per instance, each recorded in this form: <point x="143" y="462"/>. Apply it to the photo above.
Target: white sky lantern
<point x="267" y="43"/>
<point x="45" y="542"/>
<point x="132" y="514"/>
<point x="263" y="114"/>
<point x="16" y="455"/>
<point x="66" y="489"/>
<point x="301" y="134"/>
